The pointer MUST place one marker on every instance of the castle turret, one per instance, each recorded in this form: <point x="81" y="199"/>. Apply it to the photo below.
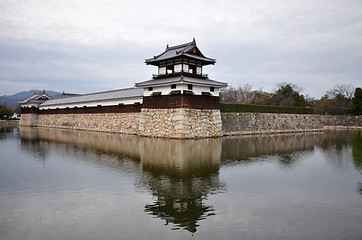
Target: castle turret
<point x="182" y="89"/>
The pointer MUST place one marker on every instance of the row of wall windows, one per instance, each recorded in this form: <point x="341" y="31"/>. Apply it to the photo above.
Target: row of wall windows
<point x="189" y="87"/>
<point x="179" y="68"/>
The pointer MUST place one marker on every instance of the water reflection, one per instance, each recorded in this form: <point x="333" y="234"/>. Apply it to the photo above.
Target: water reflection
<point x="284" y="147"/>
<point x="181" y="201"/>
<point x="356" y="143"/>
<point x="4" y="131"/>
<point x="182" y="174"/>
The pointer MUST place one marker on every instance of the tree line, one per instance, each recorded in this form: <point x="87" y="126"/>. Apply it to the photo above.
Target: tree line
<point x="340" y="100"/>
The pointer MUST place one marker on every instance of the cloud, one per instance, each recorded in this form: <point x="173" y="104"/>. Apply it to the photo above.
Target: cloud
<point x="97" y="45"/>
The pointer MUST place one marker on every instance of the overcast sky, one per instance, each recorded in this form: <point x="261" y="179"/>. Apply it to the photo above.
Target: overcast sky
<point x="84" y="46"/>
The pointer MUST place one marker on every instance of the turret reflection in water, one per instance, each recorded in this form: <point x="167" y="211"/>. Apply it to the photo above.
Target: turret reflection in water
<point x="181" y="174"/>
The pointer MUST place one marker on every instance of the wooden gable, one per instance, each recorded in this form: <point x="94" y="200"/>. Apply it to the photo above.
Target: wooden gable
<point x="195" y="51"/>
<point x="44" y="97"/>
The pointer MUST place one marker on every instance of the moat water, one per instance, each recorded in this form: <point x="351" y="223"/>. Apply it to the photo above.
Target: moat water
<point x="62" y="184"/>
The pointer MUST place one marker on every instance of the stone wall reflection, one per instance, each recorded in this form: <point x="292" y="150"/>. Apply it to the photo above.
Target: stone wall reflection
<point x="4" y="130"/>
<point x="122" y="145"/>
<point x="356" y="143"/>
<point x="284" y="146"/>
<point x="180" y="158"/>
<point x="180" y="174"/>
<point x="242" y="148"/>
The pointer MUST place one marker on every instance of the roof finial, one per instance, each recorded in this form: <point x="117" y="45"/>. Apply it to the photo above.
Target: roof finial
<point x="167" y="46"/>
<point x="193" y="40"/>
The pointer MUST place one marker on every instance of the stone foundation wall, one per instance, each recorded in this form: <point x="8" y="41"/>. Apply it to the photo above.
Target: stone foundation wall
<point x="342" y="120"/>
<point x="106" y="122"/>
<point x="29" y="119"/>
<point x="9" y="123"/>
<point x="191" y="123"/>
<point x="180" y="123"/>
<point x="254" y="123"/>
<point x="169" y="123"/>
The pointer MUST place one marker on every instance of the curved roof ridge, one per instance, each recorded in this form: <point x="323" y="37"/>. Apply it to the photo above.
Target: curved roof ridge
<point x="179" y="50"/>
<point x="181" y="45"/>
<point x="109" y="91"/>
<point x="169" y="48"/>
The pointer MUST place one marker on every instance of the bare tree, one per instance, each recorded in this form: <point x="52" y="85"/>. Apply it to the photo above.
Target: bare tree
<point x="345" y="90"/>
<point x="244" y="93"/>
<point x="228" y="95"/>
<point x="239" y="95"/>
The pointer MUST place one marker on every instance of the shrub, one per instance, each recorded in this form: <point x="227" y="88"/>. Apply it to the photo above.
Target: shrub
<point x="232" y="107"/>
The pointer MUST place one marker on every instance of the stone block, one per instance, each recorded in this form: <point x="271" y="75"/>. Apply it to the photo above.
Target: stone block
<point x="179" y="117"/>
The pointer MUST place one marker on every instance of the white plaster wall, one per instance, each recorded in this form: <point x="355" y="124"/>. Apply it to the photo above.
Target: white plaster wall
<point x="199" y="89"/>
<point x="29" y="105"/>
<point x="165" y="90"/>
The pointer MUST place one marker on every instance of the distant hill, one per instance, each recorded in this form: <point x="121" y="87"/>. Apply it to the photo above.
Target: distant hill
<point x="11" y="101"/>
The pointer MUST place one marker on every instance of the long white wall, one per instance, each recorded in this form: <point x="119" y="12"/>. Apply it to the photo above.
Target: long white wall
<point x="165" y="90"/>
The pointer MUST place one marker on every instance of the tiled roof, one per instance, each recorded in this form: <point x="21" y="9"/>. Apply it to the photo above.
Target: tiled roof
<point x="64" y="94"/>
<point x="35" y="98"/>
<point x="181" y="79"/>
<point x="177" y="51"/>
<point x="100" y="96"/>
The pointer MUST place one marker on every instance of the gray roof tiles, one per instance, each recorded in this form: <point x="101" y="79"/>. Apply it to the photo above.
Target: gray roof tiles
<point x="100" y="96"/>
<point x="179" y="50"/>
<point x="199" y="58"/>
<point x="35" y="98"/>
<point x="179" y="79"/>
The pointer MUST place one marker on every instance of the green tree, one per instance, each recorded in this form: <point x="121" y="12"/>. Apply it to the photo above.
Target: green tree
<point x="299" y="101"/>
<point x="288" y="95"/>
<point x="357" y="102"/>
<point x="5" y="112"/>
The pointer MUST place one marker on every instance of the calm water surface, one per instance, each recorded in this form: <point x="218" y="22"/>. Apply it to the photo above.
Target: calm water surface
<point x="61" y="184"/>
